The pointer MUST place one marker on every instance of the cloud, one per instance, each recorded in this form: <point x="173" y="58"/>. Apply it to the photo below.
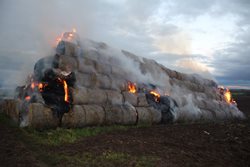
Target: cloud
<point x="232" y="63"/>
<point x="177" y="43"/>
<point x="167" y="31"/>
<point x="190" y="8"/>
<point x="146" y="8"/>
<point x="194" y="66"/>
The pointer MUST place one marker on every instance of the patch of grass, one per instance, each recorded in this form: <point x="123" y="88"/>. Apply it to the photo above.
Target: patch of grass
<point x="238" y="93"/>
<point x="41" y="144"/>
<point x="56" y="137"/>
<point x="6" y="120"/>
<point x="59" y="136"/>
<point x="108" y="158"/>
<point x="3" y="118"/>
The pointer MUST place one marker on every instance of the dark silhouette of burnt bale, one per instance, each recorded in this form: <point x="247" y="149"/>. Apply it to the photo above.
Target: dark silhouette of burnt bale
<point x="164" y="104"/>
<point x="54" y="91"/>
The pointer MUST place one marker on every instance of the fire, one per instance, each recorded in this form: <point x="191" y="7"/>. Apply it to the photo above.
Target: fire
<point x="156" y="95"/>
<point x="32" y="85"/>
<point x="40" y="86"/>
<point x="228" y="96"/>
<point x="67" y="36"/>
<point x="66" y="91"/>
<point x="27" y="98"/>
<point x="131" y="87"/>
<point x="59" y="39"/>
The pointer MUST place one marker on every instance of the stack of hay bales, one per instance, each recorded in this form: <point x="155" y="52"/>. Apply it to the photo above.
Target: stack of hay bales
<point x="100" y="95"/>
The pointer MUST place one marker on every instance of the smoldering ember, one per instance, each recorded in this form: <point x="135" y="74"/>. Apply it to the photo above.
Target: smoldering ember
<point x="89" y="83"/>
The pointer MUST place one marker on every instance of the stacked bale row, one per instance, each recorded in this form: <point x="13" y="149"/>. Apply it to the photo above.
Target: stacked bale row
<point x="100" y="95"/>
<point x="190" y="90"/>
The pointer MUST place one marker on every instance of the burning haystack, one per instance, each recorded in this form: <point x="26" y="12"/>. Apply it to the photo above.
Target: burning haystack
<point x="87" y="83"/>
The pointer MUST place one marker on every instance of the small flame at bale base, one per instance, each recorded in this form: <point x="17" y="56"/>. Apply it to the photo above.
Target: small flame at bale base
<point x="27" y="98"/>
<point x="39" y="85"/>
<point x="228" y="96"/>
<point x="156" y="95"/>
<point x="131" y="87"/>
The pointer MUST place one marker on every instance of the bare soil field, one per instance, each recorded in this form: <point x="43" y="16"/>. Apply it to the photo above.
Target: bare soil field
<point x="178" y="144"/>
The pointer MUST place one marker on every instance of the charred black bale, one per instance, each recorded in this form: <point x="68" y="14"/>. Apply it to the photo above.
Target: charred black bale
<point x="41" y="66"/>
<point x="54" y="94"/>
<point x="165" y="104"/>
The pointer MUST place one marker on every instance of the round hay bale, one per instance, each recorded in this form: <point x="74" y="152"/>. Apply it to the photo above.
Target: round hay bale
<point x="40" y="116"/>
<point x="130" y="98"/>
<point x="75" y="118"/>
<point x="129" y="114"/>
<point x="120" y="114"/>
<point x="119" y="72"/>
<point x="86" y="66"/>
<point x="95" y="115"/>
<point x="103" y="68"/>
<point x="103" y="81"/>
<point x="87" y="80"/>
<point x="114" y="114"/>
<point x="70" y="48"/>
<point x="68" y="63"/>
<point x="83" y="95"/>
<point x="148" y="115"/>
<point x="156" y="115"/>
<point x="118" y="83"/>
<point x="96" y="96"/>
<point x="80" y="95"/>
<point x="114" y="97"/>
<point x="142" y="100"/>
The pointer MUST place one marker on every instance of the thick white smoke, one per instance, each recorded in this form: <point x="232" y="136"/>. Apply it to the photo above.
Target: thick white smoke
<point x="28" y="31"/>
<point x="195" y="96"/>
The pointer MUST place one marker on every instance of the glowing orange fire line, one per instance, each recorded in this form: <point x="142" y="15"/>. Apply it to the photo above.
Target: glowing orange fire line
<point x="156" y="95"/>
<point x="66" y="96"/>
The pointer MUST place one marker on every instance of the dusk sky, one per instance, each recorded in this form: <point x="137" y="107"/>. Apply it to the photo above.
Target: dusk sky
<point x="208" y="37"/>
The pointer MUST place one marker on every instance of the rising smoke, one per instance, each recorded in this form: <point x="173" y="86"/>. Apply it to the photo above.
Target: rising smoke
<point x="28" y="32"/>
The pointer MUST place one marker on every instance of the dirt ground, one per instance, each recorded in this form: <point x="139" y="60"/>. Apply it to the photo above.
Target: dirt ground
<point x="199" y="144"/>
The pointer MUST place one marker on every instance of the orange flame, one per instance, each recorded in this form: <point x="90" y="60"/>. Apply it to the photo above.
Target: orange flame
<point x="27" y="98"/>
<point x="131" y="87"/>
<point x="66" y="36"/>
<point x="66" y="91"/>
<point x="228" y="96"/>
<point x="39" y="85"/>
<point x="58" y="39"/>
<point x="156" y="95"/>
<point x="32" y="85"/>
